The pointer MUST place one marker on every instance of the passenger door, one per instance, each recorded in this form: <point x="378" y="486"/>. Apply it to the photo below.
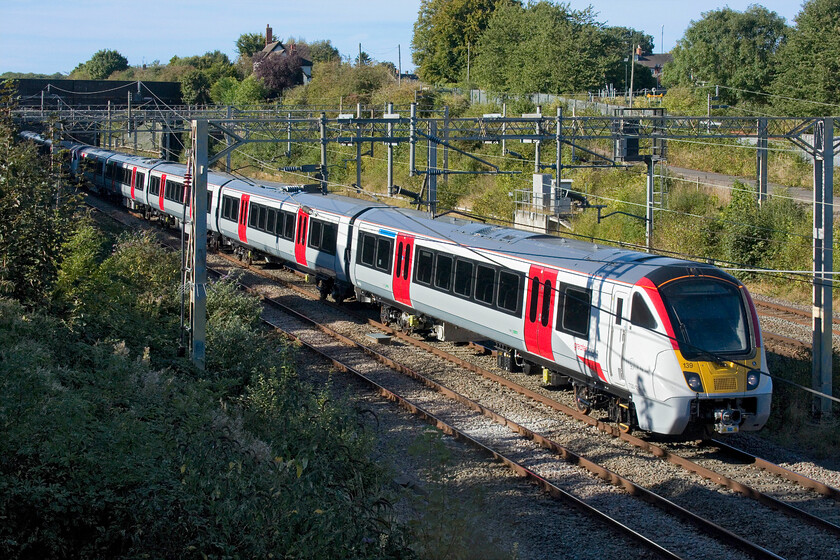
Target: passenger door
<point x="539" y="311"/>
<point x="301" y="232"/>
<point x="242" y="222"/>
<point x="402" y="269"/>
<point x="619" y="318"/>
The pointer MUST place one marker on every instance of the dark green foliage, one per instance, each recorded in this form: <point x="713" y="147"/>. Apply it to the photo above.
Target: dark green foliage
<point x="195" y="88"/>
<point x="629" y="39"/>
<point x="249" y="44"/>
<point x="544" y="47"/>
<point x="36" y="209"/>
<point x="102" y="455"/>
<point x="808" y="78"/>
<point x="278" y="71"/>
<point x="443" y="33"/>
<point x="125" y="294"/>
<point x="101" y="65"/>
<point x="106" y="458"/>
<point x="322" y="51"/>
<point x="732" y="49"/>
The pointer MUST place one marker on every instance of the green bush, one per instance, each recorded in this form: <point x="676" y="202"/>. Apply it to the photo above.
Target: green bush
<point x="107" y="453"/>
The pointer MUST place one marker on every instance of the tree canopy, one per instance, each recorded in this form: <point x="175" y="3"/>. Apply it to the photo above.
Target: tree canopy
<point x="808" y="78"/>
<point x="278" y="71"/>
<point x="544" y="47"/>
<point x="249" y="44"/>
<point x="102" y="64"/>
<point x="445" y="31"/>
<point x="732" y="49"/>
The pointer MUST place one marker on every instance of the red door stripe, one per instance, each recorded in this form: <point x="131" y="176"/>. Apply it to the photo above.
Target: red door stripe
<point x="538" y="332"/>
<point x="162" y="190"/>
<point x="133" y="180"/>
<point x="301" y="233"/>
<point x="401" y="281"/>
<point x="243" y="218"/>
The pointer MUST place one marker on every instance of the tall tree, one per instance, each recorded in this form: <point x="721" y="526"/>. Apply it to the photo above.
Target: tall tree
<point x="278" y="71"/>
<point x="627" y="37"/>
<point x="35" y="216"/>
<point x="543" y="47"/>
<point x="732" y="49"/>
<point x="249" y="44"/>
<point x="195" y="88"/>
<point x="322" y="51"/>
<point x="445" y="33"/>
<point x="103" y="64"/>
<point x="808" y="81"/>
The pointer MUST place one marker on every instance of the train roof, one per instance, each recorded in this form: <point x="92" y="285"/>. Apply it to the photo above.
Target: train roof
<point x="563" y="253"/>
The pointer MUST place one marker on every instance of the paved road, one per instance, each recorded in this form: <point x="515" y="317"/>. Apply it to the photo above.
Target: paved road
<point x="806" y="196"/>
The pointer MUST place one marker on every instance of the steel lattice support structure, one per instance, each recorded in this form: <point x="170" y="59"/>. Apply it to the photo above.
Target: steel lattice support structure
<point x="636" y="136"/>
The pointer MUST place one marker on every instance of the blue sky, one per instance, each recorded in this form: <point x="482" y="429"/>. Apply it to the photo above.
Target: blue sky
<point x="48" y="36"/>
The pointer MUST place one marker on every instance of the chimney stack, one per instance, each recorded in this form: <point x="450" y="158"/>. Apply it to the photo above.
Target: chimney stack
<point x="268" y="34"/>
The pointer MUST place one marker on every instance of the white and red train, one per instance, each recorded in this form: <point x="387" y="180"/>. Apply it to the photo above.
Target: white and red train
<point x="664" y="345"/>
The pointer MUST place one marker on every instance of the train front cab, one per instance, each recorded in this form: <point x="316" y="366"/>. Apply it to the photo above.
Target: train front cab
<point x="691" y="355"/>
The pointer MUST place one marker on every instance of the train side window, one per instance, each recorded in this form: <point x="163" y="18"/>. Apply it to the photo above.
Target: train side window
<point x="509" y="293"/>
<point x="261" y="219"/>
<point x="254" y="215"/>
<point x="535" y="296"/>
<point x="407" y="262"/>
<point x="398" y="266"/>
<point x="230" y="208"/>
<point x="300" y="228"/>
<point x="209" y="202"/>
<point x="463" y="278"/>
<point x="154" y="186"/>
<point x="289" y="225"/>
<point x="485" y="279"/>
<point x="443" y="273"/>
<point x="367" y="253"/>
<point x="315" y="230"/>
<point x="383" y="254"/>
<point x="328" y="238"/>
<point x="271" y="217"/>
<point x="140" y="181"/>
<point x="548" y="293"/>
<point x="640" y="314"/>
<point x="619" y="309"/>
<point x="424" y="268"/>
<point x="573" y="312"/>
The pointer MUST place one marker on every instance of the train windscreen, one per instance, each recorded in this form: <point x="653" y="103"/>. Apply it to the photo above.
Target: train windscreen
<point x="708" y="316"/>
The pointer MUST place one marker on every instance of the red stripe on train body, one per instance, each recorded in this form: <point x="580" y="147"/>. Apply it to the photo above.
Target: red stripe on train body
<point x="300" y="236"/>
<point x="243" y="218"/>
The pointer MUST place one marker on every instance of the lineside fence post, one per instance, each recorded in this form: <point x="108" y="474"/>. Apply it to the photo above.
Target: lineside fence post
<point x="761" y="160"/>
<point x="432" y="169"/>
<point x="823" y="263"/>
<point x="198" y="244"/>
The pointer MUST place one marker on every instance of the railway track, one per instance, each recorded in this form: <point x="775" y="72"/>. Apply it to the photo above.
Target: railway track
<point x="820" y="525"/>
<point x="787" y="329"/>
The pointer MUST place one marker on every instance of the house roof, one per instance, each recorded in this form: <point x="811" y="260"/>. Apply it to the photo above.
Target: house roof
<point x="654" y="60"/>
<point x="276" y="47"/>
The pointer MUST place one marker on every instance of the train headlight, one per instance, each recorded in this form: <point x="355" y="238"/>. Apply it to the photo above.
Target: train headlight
<point x="694" y="382"/>
<point x="753" y="378"/>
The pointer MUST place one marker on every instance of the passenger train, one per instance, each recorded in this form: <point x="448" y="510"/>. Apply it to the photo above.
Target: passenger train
<point x="663" y="345"/>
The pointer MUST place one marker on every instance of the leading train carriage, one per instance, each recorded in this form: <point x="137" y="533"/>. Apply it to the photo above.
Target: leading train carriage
<point x="663" y="344"/>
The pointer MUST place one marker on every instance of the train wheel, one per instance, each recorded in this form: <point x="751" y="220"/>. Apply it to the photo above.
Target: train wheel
<point x="581" y="399"/>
